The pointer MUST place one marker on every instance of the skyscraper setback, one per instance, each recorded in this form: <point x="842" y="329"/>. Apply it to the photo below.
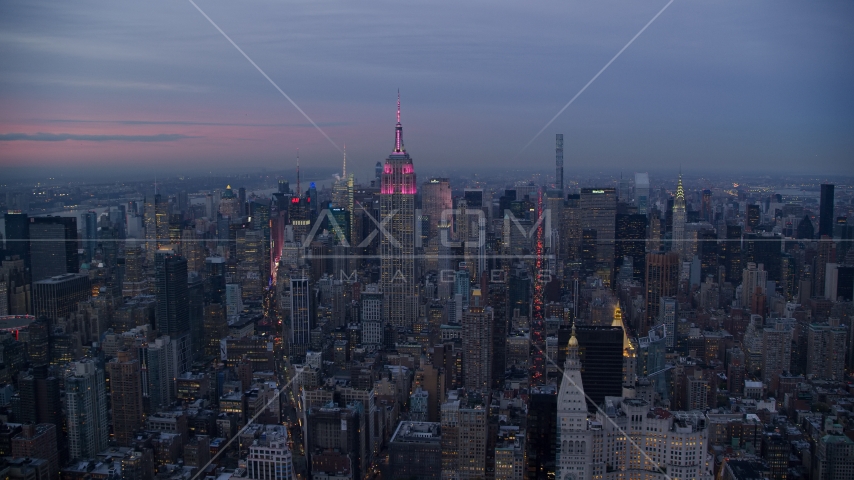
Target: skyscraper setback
<point x="397" y="243"/>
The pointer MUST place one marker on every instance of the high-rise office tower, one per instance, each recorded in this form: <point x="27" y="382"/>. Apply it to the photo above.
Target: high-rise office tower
<point x="397" y="244"/>
<point x="706" y="207"/>
<point x="56" y="298"/>
<point x="630" y="236"/>
<point x="731" y="250"/>
<point x="172" y="313"/>
<point x="86" y="410"/>
<point x="40" y="397"/>
<point x="754" y="217"/>
<point x="600" y="351"/>
<point x="302" y="319"/>
<point x="18" y="235"/>
<point x="642" y="192"/>
<point x="825" y="217"/>
<point x="125" y="396"/>
<point x="542" y="432"/>
<point x="477" y="345"/>
<point x="229" y="205"/>
<point x="53" y="246"/>
<point x="575" y="445"/>
<point x="678" y="238"/>
<point x="570" y="232"/>
<point x="598" y="212"/>
<point x="464" y="436"/>
<point x="776" y="351"/>
<point x="559" y="162"/>
<point x="134" y="282"/>
<point x="827" y="345"/>
<point x="662" y="280"/>
<point x="753" y="281"/>
<point x="735" y="370"/>
<point x="159" y="367"/>
<point x="333" y="435"/>
<point x="826" y="255"/>
<point x="500" y="326"/>
<point x="435" y="199"/>
<point x="90" y="234"/>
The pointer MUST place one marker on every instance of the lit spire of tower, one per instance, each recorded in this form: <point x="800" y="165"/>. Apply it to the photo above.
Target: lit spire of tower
<point x="398" y="131"/>
<point x="298" y="189"/>
<point x="572" y="361"/>
<point x="344" y="169"/>
<point x="680" y="192"/>
<point x="618" y="322"/>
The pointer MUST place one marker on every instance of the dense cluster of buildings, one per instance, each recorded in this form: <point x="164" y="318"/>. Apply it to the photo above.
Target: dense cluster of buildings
<point x="399" y="328"/>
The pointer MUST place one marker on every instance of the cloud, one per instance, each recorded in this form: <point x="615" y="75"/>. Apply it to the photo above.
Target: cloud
<point x="61" y="137"/>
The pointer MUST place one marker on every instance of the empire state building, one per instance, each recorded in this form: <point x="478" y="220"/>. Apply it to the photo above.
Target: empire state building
<point x="397" y="244"/>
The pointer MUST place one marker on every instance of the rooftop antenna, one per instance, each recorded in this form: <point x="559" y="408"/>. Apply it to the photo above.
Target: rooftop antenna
<point x="299" y="192"/>
<point x="344" y="170"/>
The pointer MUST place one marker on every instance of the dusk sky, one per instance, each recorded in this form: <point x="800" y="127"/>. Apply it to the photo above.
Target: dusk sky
<point x="154" y="87"/>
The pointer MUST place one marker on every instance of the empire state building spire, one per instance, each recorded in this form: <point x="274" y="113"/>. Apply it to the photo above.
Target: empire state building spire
<point x="398" y="130"/>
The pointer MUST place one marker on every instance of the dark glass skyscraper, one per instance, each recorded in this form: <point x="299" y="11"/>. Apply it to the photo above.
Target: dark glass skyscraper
<point x="825" y="217"/>
<point x="53" y="246"/>
<point x="601" y="355"/>
<point x="631" y="242"/>
<point x="172" y="314"/>
<point x="18" y="236"/>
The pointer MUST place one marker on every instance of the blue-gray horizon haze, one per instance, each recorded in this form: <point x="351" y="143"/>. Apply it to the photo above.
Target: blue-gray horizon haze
<point x="709" y="85"/>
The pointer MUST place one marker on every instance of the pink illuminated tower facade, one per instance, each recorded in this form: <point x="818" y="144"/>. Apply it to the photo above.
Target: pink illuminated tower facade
<point x="397" y="247"/>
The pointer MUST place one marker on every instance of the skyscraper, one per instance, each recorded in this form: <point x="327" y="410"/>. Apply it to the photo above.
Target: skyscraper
<point x="464" y="436"/>
<point x="678" y="238"/>
<point x="435" y="198"/>
<point x="53" y="246"/>
<point x="125" y="396"/>
<point x="17" y="236"/>
<point x="90" y="234"/>
<point x="642" y="192"/>
<point x="630" y="236"/>
<point x="86" y="407"/>
<point x="156" y="225"/>
<point x="662" y="280"/>
<point x="477" y="345"/>
<point x="397" y="243"/>
<point x="57" y="297"/>
<point x="172" y="314"/>
<point x="302" y="320"/>
<point x="574" y="436"/>
<point x="559" y="162"/>
<point x="600" y="353"/>
<point x="825" y="218"/>
<point x="598" y="212"/>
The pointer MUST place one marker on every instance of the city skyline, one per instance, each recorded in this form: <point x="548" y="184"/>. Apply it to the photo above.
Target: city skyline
<point x="99" y="89"/>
